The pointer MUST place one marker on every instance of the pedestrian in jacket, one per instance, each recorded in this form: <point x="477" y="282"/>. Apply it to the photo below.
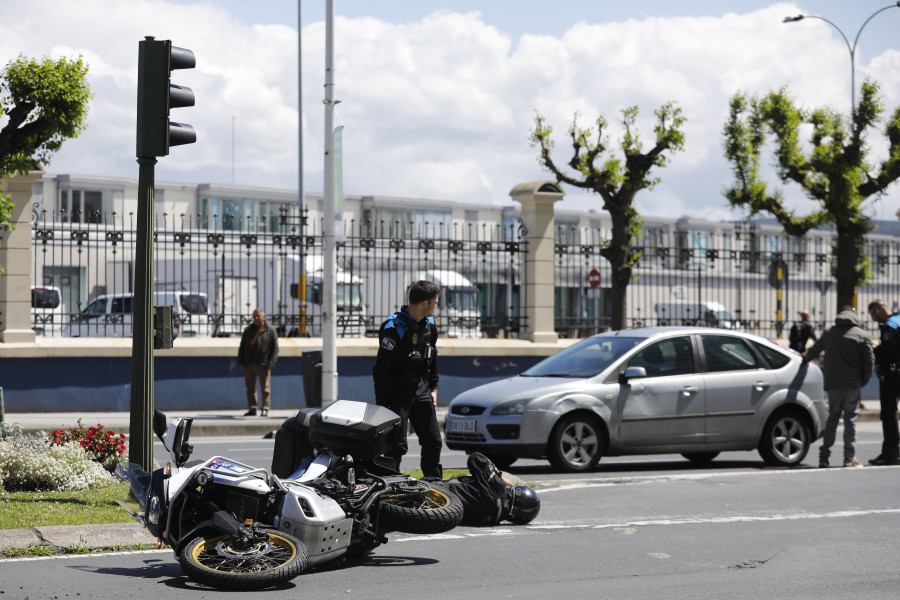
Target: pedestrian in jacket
<point x="887" y="364"/>
<point x="257" y="356"/>
<point x="801" y="333"/>
<point x="849" y="363"/>
<point x="406" y="376"/>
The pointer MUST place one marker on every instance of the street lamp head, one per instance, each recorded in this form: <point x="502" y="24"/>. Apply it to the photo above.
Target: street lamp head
<point x="800" y="17"/>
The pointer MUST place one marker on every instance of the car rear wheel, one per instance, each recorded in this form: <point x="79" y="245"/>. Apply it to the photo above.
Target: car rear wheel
<point x="785" y="440"/>
<point x="576" y="443"/>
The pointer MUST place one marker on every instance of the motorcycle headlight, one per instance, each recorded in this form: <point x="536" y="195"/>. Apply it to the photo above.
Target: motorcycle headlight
<point x="510" y="407"/>
<point x="153" y="510"/>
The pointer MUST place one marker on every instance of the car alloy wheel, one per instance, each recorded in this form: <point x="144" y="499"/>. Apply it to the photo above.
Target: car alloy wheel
<point x="576" y="444"/>
<point x="785" y="441"/>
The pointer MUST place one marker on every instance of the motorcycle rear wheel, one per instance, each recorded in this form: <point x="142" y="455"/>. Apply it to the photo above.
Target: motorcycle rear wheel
<point x="432" y="510"/>
<point x="269" y="560"/>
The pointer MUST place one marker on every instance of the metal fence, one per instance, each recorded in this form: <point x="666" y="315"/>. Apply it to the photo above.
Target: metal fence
<point x="723" y="278"/>
<point x="218" y="270"/>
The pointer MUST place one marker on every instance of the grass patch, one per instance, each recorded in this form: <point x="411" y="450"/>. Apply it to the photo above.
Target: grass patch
<point x="83" y="507"/>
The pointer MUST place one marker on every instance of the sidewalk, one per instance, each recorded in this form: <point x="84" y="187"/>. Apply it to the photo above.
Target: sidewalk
<point x="212" y="423"/>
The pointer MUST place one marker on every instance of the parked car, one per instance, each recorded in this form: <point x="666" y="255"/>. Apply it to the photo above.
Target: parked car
<point x="111" y="315"/>
<point x="691" y="390"/>
<point x="46" y="310"/>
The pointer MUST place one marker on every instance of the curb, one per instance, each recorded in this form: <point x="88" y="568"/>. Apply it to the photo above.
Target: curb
<point x="59" y="538"/>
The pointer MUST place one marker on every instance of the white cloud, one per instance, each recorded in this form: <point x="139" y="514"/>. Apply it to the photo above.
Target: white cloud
<point x="437" y="108"/>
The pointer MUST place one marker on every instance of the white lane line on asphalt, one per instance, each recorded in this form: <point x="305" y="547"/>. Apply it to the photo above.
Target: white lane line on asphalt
<point x="4" y="561"/>
<point x="844" y="514"/>
<point x="577" y="484"/>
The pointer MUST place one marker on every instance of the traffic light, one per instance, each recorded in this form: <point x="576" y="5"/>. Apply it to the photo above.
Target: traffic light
<point x="157" y="95"/>
<point x="162" y="327"/>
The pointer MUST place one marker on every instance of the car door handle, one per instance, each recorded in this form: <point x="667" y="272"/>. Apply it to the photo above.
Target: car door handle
<point x="760" y="386"/>
<point x="689" y="390"/>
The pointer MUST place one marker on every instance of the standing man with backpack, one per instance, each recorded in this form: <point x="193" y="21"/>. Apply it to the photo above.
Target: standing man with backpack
<point x="801" y="333"/>
<point x="406" y="376"/>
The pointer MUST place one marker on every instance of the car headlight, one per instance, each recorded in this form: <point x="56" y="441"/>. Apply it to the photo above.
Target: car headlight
<point x="510" y="407"/>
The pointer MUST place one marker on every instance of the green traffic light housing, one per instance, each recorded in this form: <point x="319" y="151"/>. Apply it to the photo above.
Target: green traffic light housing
<point x="157" y="95"/>
<point x="163" y="327"/>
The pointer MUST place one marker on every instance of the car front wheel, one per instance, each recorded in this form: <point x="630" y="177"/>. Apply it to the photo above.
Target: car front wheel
<point x="576" y="443"/>
<point x="785" y="440"/>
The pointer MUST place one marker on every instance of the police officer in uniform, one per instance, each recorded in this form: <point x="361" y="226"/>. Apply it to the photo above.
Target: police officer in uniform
<point x="887" y="364"/>
<point x="406" y="376"/>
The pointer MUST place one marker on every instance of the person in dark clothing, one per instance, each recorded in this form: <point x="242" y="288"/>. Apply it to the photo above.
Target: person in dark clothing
<point x="257" y="355"/>
<point x="801" y="333"/>
<point x="848" y="367"/>
<point x="887" y="364"/>
<point x="406" y="375"/>
<point x="488" y="498"/>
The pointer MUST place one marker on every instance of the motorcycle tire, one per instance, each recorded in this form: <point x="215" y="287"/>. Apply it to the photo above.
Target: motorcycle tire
<point x="435" y="510"/>
<point x="271" y="559"/>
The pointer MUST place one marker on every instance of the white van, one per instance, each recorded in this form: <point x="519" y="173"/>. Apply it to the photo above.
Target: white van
<point x="111" y="315"/>
<point x="46" y="310"/>
<point x="703" y="314"/>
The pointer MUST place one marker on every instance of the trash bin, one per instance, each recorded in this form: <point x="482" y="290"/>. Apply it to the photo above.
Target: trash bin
<point x="312" y="378"/>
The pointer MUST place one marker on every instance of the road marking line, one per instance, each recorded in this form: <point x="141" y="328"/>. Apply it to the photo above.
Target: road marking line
<point x="843" y="514"/>
<point x="577" y="484"/>
<point x="3" y="561"/>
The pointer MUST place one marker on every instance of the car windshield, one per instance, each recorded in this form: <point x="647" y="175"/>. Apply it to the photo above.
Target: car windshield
<point x="587" y="358"/>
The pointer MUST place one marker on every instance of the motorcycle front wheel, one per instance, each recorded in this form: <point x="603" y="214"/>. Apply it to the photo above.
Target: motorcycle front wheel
<point x="268" y="560"/>
<point x="425" y="509"/>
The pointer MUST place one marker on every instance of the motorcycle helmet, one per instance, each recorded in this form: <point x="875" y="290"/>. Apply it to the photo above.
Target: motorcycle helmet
<point x="524" y="504"/>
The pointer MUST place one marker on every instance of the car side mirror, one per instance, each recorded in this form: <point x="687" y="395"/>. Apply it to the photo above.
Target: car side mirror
<point x="632" y="373"/>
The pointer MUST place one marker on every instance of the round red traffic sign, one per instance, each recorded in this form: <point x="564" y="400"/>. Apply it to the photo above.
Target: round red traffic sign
<point x="594" y="278"/>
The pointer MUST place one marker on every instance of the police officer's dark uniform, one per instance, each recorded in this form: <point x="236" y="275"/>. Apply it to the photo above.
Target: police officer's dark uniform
<point x="887" y="364"/>
<point x="405" y="374"/>
<point x="483" y="493"/>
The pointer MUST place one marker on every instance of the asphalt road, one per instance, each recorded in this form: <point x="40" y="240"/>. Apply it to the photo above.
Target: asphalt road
<point x="642" y="527"/>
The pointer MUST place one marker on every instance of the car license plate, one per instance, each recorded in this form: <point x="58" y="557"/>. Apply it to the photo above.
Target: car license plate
<point x="461" y="425"/>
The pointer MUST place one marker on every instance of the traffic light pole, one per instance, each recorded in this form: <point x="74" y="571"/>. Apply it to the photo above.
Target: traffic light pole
<point x="140" y="443"/>
<point x="156" y="133"/>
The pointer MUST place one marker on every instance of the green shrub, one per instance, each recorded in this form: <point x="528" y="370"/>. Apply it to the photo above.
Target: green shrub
<point x="27" y="463"/>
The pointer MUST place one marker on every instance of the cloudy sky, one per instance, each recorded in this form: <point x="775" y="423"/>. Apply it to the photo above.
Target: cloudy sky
<point x="438" y="96"/>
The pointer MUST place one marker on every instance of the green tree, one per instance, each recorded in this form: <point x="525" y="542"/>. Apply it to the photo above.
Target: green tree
<point x="617" y="183"/>
<point x="42" y="103"/>
<point x="833" y="169"/>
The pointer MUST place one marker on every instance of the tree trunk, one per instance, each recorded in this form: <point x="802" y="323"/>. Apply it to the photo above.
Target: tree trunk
<point x="618" y="253"/>
<point x="847" y="271"/>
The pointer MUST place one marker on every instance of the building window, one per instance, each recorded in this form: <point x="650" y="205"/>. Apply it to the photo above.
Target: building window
<point x="84" y="206"/>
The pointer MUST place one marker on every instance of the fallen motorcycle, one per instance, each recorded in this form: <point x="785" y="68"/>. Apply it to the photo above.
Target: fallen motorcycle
<point x="238" y="527"/>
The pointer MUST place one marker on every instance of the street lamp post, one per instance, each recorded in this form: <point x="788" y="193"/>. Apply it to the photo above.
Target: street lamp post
<point x="851" y="48"/>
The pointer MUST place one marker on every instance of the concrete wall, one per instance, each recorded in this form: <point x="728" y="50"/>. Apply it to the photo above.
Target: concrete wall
<point x="70" y="375"/>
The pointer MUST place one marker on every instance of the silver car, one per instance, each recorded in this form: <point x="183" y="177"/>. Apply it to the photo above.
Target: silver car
<point x="691" y="390"/>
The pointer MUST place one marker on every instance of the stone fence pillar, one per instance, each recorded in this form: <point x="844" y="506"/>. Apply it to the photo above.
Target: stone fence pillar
<point x="15" y="258"/>
<point x="537" y="199"/>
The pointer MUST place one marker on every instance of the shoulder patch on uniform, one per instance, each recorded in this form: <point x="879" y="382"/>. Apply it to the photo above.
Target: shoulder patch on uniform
<point x="396" y="321"/>
<point x="387" y="343"/>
